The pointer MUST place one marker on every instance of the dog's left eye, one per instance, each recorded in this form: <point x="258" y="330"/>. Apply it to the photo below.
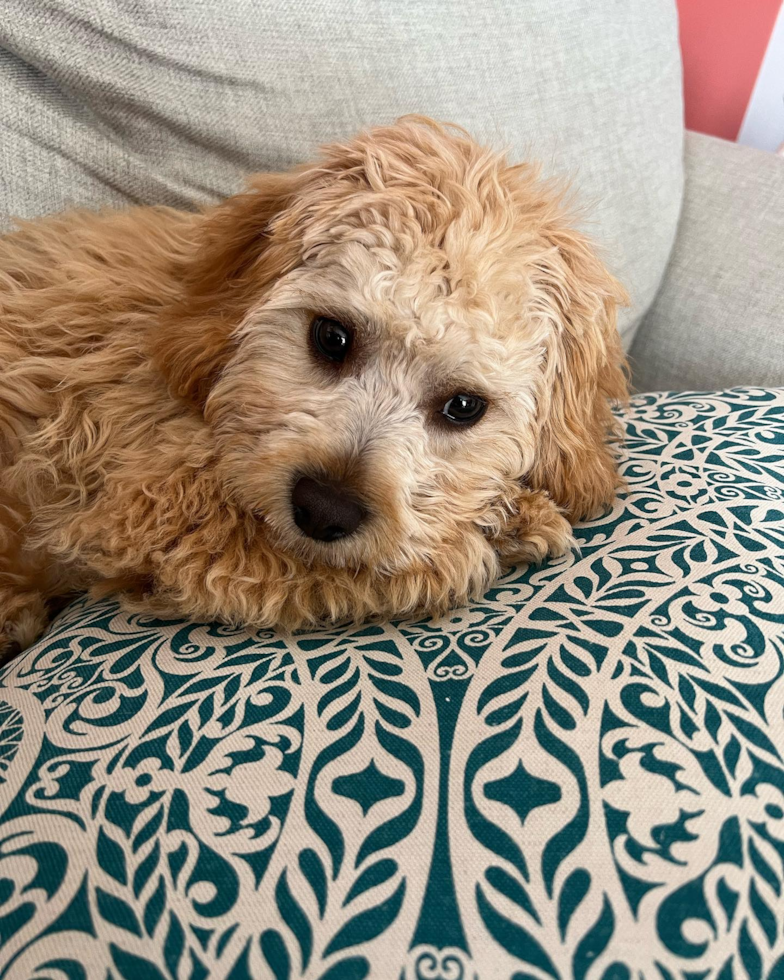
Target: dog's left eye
<point x="331" y="338"/>
<point x="463" y="409"/>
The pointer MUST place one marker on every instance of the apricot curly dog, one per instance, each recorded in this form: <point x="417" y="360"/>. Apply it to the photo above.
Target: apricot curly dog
<point x="357" y="389"/>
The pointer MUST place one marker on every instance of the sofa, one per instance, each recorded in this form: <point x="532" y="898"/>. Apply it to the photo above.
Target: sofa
<point x="580" y="775"/>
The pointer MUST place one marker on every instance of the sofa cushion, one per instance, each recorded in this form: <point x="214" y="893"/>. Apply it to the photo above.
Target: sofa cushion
<point x="579" y="776"/>
<point x="724" y="278"/>
<point x="124" y="101"/>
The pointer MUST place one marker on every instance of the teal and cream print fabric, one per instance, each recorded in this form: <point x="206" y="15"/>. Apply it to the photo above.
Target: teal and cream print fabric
<point x="581" y="776"/>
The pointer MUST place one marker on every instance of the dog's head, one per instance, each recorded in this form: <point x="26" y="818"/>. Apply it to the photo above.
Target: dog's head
<point x="386" y="345"/>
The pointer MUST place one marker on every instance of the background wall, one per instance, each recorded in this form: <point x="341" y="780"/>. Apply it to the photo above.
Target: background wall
<point x="733" y="55"/>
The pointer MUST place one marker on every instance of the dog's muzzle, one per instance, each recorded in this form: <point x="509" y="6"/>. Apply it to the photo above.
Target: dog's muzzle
<point x="325" y="511"/>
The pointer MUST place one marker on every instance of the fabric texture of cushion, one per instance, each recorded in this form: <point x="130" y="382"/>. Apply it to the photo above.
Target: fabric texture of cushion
<point x="580" y="776"/>
<point x="718" y="319"/>
<point x="123" y="101"/>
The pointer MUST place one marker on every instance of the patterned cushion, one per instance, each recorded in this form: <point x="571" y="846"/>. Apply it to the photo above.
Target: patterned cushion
<point x="580" y="776"/>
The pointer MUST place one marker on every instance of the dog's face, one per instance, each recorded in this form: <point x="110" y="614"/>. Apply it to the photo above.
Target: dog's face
<point x="387" y="346"/>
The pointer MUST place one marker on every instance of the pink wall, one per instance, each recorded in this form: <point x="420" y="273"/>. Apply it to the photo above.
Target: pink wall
<point x="723" y="44"/>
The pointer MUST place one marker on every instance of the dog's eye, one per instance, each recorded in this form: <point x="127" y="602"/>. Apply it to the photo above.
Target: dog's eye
<point x="331" y="338"/>
<point x="462" y="409"/>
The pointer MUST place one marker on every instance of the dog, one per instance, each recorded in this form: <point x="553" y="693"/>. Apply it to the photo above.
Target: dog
<point x="358" y="389"/>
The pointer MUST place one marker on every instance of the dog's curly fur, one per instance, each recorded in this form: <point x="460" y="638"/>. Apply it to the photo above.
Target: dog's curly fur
<point x="158" y="395"/>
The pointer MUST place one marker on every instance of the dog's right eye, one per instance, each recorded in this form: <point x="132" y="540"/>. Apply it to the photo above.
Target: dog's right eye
<point x="462" y="409"/>
<point x="331" y="338"/>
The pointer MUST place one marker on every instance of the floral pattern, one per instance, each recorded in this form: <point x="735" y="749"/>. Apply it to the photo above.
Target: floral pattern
<point x="580" y="776"/>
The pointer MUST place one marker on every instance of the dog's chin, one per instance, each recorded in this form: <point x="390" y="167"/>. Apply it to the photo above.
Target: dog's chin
<point x="347" y="581"/>
<point x="342" y="554"/>
<point x="354" y="554"/>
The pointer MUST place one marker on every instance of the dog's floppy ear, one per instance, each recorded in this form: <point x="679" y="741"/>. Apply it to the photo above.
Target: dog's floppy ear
<point x="239" y="250"/>
<point x="585" y="372"/>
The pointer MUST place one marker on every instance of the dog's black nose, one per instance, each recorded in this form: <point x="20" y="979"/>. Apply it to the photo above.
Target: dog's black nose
<point x="324" y="511"/>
